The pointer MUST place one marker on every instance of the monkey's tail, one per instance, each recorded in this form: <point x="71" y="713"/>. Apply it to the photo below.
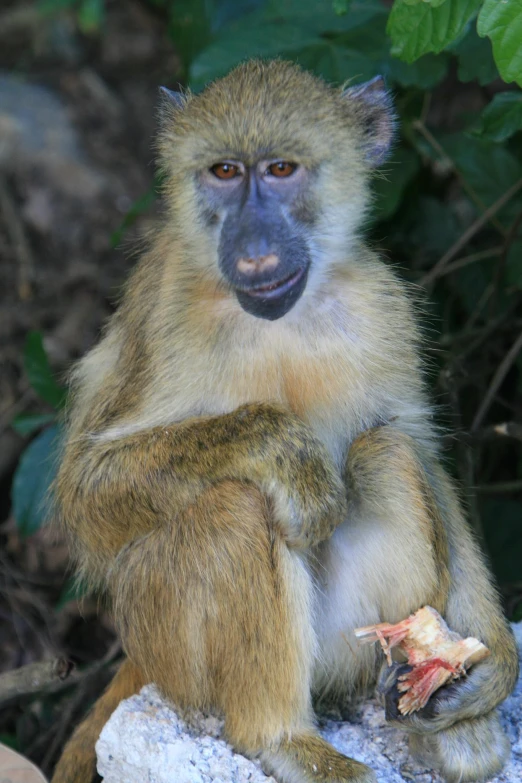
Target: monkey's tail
<point x="78" y="761"/>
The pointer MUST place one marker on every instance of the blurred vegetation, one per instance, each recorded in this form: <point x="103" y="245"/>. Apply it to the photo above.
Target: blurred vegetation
<point x="447" y="212"/>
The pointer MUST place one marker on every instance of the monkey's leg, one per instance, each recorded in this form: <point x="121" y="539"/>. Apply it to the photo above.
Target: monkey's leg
<point x="432" y="550"/>
<point x="78" y="761"/>
<point x="216" y="610"/>
<point x="469" y="743"/>
<point x="385" y="561"/>
<point x="470" y="751"/>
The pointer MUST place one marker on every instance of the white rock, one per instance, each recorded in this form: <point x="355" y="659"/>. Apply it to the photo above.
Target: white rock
<point x="146" y="741"/>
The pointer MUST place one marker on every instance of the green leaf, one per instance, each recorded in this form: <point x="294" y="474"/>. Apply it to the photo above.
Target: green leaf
<point x="425" y="73"/>
<point x="223" y="12"/>
<point x="305" y="31"/>
<point x="431" y="228"/>
<point x="501" y="523"/>
<point x="190" y="28"/>
<point x="389" y="190"/>
<point x="55" y="6"/>
<point x="319" y="16"/>
<point x="472" y="281"/>
<point x="501" y="118"/>
<point x="91" y="15"/>
<point x="140" y="206"/>
<point x="33" y="478"/>
<point x="9" y="740"/>
<point x="340" y="7"/>
<point x="433" y="3"/>
<point x="501" y="20"/>
<point x="27" y="423"/>
<point x="336" y="63"/>
<point x="39" y="371"/>
<point x="420" y="29"/>
<point x="244" y="40"/>
<point x="513" y="271"/>
<point x="475" y="58"/>
<point x="73" y="590"/>
<point x="488" y="168"/>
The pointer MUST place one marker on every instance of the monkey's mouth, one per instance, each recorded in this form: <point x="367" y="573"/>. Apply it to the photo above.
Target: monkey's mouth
<point x="277" y="289"/>
<point x="275" y="299"/>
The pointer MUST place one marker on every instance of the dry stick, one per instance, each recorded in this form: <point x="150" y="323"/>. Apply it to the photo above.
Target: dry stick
<point x="33" y="678"/>
<point x="430" y="138"/>
<point x="496" y="382"/>
<point x="16" y="19"/>
<point x="506" y="429"/>
<point x="500" y="267"/>
<point x="500" y="488"/>
<point x="482" y="255"/>
<point x="75" y="701"/>
<point x="509" y="429"/>
<point x="470" y="233"/>
<point x="17" y="235"/>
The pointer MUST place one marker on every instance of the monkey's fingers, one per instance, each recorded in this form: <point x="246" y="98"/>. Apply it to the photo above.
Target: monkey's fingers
<point x="421" y="682"/>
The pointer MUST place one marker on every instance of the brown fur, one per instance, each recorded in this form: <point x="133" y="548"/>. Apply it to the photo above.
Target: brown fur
<point x="250" y="491"/>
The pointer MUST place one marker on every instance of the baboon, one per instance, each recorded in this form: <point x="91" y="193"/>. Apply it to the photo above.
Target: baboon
<point x="251" y="467"/>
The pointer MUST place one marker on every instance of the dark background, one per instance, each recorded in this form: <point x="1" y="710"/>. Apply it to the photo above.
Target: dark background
<point x="78" y="91"/>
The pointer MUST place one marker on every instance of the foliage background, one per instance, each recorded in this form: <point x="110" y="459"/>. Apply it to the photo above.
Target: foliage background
<point x="447" y="212"/>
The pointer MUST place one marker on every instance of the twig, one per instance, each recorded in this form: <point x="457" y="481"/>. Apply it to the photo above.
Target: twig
<point x="500" y="488"/>
<point x="496" y="382"/>
<point x="469" y="234"/>
<point x="499" y="272"/>
<point x="482" y="255"/>
<point x="15" y="19"/>
<point x="33" y="678"/>
<point x="419" y="125"/>
<point x="507" y="429"/>
<point x="21" y="246"/>
<point x="75" y="701"/>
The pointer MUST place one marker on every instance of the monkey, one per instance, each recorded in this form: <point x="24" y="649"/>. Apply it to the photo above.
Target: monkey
<point x="251" y="467"/>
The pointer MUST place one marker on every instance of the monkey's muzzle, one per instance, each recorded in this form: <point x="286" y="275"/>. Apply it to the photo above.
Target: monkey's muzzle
<point x="274" y="299"/>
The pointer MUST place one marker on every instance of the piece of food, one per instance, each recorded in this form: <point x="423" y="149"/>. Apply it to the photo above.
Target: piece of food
<point x="436" y="654"/>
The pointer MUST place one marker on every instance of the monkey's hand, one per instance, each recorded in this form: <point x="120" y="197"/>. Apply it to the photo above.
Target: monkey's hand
<point x="472" y="696"/>
<point x="130" y="485"/>
<point x="275" y="450"/>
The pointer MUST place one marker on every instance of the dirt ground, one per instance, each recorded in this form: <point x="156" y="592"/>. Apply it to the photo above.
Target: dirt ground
<point x="77" y="121"/>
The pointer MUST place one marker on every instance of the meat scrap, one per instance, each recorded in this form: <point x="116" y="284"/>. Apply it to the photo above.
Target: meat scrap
<point x="436" y="654"/>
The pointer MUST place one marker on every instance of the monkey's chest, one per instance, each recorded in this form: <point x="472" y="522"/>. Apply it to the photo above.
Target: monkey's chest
<point x="326" y="393"/>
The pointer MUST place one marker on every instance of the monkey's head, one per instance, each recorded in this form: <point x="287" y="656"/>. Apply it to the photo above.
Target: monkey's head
<point x="267" y="175"/>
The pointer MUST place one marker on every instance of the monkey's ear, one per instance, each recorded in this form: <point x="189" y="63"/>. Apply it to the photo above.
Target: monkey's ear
<point x="172" y="96"/>
<point x="375" y="109"/>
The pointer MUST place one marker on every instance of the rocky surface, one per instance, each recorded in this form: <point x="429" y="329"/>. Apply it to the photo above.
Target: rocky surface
<point x="145" y="740"/>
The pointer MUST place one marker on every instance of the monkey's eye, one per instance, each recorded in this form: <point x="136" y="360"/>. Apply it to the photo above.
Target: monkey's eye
<point x="281" y="169"/>
<point x="225" y="170"/>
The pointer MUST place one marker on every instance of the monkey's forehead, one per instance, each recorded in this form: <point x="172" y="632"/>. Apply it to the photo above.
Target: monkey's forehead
<point x="263" y="109"/>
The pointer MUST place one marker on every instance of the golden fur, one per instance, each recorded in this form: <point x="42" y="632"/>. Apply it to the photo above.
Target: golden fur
<point x="248" y="491"/>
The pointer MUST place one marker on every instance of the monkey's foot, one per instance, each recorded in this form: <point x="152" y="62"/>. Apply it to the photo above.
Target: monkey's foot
<point x="472" y="750"/>
<point x="308" y="758"/>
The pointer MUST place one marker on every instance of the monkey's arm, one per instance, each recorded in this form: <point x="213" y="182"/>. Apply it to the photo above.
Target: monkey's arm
<point x="111" y="492"/>
<point x="472" y="609"/>
<point x="390" y="470"/>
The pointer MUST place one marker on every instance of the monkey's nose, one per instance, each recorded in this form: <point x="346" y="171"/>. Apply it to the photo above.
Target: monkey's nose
<point x="252" y="266"/>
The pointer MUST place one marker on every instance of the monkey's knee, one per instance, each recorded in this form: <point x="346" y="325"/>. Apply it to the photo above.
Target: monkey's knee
<point x="218" y="613"/>
<point x="260" y="640"/>
<point x="472" y="750"/>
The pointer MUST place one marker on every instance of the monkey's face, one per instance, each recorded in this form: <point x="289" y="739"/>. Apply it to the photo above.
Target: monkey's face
<point x="267" y="177"/>
<point x="263" y="249"/>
